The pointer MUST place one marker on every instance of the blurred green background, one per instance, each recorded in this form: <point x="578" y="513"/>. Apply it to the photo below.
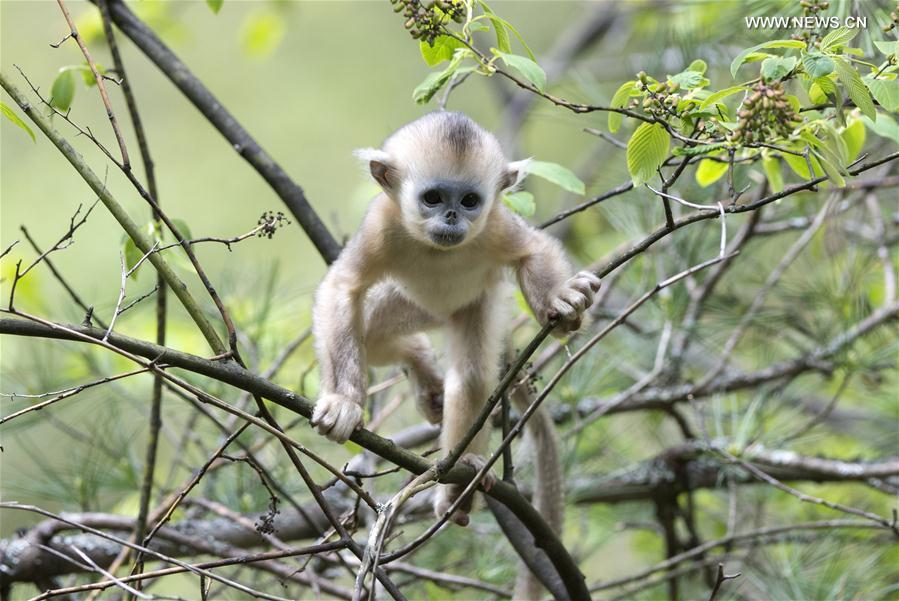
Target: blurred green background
<point x="312" y="81"/>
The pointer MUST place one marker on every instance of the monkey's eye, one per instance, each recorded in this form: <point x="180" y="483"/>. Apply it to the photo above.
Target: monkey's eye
<point x="431" y="198"/>
<point x="471" y="200"/>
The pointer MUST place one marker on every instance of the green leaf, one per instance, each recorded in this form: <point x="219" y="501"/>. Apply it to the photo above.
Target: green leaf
<point x="557" y="174"/>
<point x="834" y="147"/>
<point x="183" y="228"/>
<point x="528" y="68"/>
<point x="63" y="91"/>
<point x="708" y="172"/>
<point x="741" y="58"/>
<point x="9" y="114"/>
<point x="830" y="169"/>
<point x="688" y="79"/>
<point x="854" y="137"/>
<point x="888" y="48"/>
<point x="619" y="100"/>
<point x="772" y="171"/>
<point x="886" y="92"/>
<point x="821" y="90"/>
<point x="423" y="93"/>
<point x="800" y="166"/>
<point x="777" y="67"/>
<point x="88" y="76"/>
<point x="215" y="5"/>
<point x="132" y="255"/>
<point x="698" y="65"/>
<point x="503" y="42"/>
<point x="721" y="95"/>
<point x="884" y="126"/>
<point x="494" y="18"/>
<point x="855" y="87"/>
<point x="442" y="50"/>
<point x="521" y="202"/>
<point x="261" y="33"/>
<point x="838" y="37"/>
<point x="817" y="64"/>
<point x="646" y="150"/>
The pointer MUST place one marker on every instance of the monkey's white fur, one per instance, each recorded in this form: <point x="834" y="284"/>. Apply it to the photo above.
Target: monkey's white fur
<point x="419" y="262"/>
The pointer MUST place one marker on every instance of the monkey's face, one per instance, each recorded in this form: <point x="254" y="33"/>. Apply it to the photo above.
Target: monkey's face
<point x="448" y="211"/>
<point x="446" y="173"/>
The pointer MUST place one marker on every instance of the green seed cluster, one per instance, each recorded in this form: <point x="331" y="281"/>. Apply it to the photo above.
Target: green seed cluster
<point x="813" y="7"/>
<point x="660" y="98"/>
<point x="894" y="20"/>
<point x="425" y="18"/>
<point x="810" y="8"/>
<point x="764" y="115"/>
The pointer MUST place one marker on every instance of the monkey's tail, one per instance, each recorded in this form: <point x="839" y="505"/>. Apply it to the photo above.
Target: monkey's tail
<point x="548" y="495"/>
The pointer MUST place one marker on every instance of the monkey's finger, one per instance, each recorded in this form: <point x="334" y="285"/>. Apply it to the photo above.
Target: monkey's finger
<point x="591" y="278"/>
<point x="348" y="419"/>
<point x="571" y="325"/>
<point x="325" y="420"/>
<point x="575" y="298"/>
<point x="562" y="310"/>
<point x="584" y="285"/>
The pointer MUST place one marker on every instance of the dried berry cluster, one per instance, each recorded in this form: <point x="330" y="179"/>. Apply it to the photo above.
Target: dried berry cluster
<point x="765" y="115"/>
<point x="266" y="523"/>
<point x="661" y="98"/>
<point x="270" y="222"/>
<point x="425" y="18"/>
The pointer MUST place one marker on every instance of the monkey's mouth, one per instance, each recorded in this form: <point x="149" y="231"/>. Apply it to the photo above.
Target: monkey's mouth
<point x="447" y="235"/>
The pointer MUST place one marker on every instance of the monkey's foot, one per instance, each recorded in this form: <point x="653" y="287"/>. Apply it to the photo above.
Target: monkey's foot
<point x="447" y="495"/>
<point x="430" y="405"/>
<point x="478" y="462"/>
<point x="428" y="394"/>
<point x="336" y="417"/>
<point x="571" y="300"/>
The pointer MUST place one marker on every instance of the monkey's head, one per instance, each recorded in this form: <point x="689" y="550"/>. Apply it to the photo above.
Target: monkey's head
<point x="446" y="173"/>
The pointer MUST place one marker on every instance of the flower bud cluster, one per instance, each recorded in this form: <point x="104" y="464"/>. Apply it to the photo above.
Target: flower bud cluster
<point x="660" y="98"/>
<point x="425" y="18"/>
<point x="764" y="116"/>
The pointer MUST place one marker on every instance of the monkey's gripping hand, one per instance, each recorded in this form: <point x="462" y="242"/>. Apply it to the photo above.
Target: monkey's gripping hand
<point x="568" y="303"/>
<point x="336" y="417"/>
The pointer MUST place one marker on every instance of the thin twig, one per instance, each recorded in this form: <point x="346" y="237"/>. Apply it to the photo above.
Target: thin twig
<point x="101" y="86"/>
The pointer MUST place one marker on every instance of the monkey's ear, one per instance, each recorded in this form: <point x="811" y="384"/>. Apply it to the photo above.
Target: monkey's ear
<point x="516" y="171"/>
<point x="380" y="167"/>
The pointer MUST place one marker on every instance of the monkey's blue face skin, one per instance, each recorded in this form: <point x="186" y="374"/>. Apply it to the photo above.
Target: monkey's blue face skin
<point x="449" y="208"/>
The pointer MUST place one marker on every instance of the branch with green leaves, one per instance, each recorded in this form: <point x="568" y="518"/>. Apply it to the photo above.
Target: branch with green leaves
<point x="808" y="106"/>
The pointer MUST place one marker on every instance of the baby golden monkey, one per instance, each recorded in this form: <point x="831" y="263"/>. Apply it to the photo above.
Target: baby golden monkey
<point x="433" y="251"/>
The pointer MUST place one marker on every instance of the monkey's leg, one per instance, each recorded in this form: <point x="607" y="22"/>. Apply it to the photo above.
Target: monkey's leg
<point x="390" y="322"/>
<point x="474" y="343"/>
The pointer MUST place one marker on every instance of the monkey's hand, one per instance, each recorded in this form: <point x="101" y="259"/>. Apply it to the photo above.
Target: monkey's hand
<point x="568" y="303"/>
<point x="336" y="417"/>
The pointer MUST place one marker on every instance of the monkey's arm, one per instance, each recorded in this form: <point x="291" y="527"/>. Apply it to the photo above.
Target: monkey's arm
<point x="544" y="275"/>
<point x="337" y="323"/>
